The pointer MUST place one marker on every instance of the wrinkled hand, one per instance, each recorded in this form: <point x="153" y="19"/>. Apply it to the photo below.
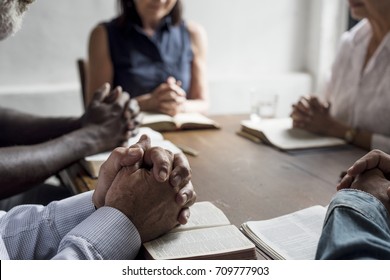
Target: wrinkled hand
<point x="168" y="98"/>
<point x="312" y="115"/>
<point x="375" y="183"/>
<point x="178" y="171"/>
<point x="375" y="159"/>
<point x="147" y="202"/>
<point x="163" y="166"/>
<point x="108" y="119"/>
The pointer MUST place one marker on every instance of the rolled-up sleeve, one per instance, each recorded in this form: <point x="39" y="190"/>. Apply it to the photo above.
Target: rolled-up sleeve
<point x="356" y="226"/>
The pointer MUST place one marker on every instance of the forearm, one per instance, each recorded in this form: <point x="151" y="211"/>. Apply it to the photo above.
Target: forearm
<point x="356" y="227"/>
<point x="25" y="166"/>
<point x="361" y="139"/>
<point x="106" y="234"/>
<point x="24" y="129"/>
<point x="35" y="232"/>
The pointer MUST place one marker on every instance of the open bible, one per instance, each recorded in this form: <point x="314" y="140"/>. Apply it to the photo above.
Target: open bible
<point x="181" y="121"/>
<point x="280" y="134"/>
<point x="207" y="235"/>
<point x="292" y="236"/>
<point x="93" y="163"/>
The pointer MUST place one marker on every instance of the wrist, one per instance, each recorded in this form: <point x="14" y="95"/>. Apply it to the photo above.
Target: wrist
<point x="350" y="135"/>
<point x="145" y="102"/>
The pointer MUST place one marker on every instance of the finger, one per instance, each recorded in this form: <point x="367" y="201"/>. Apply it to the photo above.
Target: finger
<point x="374" y="159"/>
<point x="186" y="196"/>
<point x="167" y="96"/>
<point x="171" y="80"/>
<point x="179" y="83"/>
<point x="143" y="143"/>
<point x="101" y="93"/>
<point x="134" y="108"/>
<point x="110" y="98"/>
<point x="121" y="102"/>
<point x="161" y="161"/>
<point x="119" y="158"/>
<point x="181" y="173"/>
<point x="184" y="216"/>
<point x="303" y="106"/>
<point x="315" y="103"/>
<point x="345" y="182"/>
<point x="299" y="116"/>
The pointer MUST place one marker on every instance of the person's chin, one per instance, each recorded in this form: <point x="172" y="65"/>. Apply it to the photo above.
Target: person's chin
<point x="358" y="13"/>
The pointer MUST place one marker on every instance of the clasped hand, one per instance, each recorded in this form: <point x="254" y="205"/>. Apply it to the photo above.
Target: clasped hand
<point x="168" y="98"/>
<point x="151" y="186"/>
<point x="112" y="118"/>
<point x="312" y="115"/>
<point x="370" y="174"/>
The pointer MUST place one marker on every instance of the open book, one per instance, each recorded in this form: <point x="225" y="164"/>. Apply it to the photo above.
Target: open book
<point x="279" y="133"/>
<point x="93" y="163"/>
<point x="292" y="236"/>
<point x="207" y="235"/>
<point x="161" y="122"/>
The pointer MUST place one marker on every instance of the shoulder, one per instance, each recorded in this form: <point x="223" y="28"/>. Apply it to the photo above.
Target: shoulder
<point x="98" y="34"/>
<point x="357" y="34"/>
<point x="197" y="33"/>
<point x="196" y="30"/>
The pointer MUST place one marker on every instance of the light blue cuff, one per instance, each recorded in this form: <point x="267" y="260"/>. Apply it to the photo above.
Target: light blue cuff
<point x="109" y="233"/>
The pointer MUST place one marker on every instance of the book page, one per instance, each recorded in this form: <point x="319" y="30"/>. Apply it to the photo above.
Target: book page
<point x="198" y="242"/>
<point x="279" y="132"/>
<point x="148" y="118"/>
<point x="293" y="236"/>
<point x="193" y="118"/>
<point x="204" y="214"/>
<point x="93" y="163"/>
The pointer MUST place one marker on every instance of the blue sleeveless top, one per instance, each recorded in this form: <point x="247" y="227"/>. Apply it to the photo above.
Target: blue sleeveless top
<point x="141" y="63"/>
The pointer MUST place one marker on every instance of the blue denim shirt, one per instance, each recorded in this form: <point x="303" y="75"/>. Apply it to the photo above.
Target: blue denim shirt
<point x="356" y="226"/>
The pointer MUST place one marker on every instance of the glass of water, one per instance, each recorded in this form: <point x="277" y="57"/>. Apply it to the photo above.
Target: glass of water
<point x="263" y="104"/>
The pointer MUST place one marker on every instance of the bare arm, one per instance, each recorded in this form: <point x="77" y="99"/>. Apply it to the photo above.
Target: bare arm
<point x="198" y="99"/>
<point x="24" y="166"/>
<point x="313" y="115"/>
<point x="104" y="126"/>
<point x="100" y="69"/>
<point x="19" y="128"/>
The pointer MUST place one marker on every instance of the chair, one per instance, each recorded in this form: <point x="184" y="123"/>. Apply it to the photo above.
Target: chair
<point x="82" y="66"/>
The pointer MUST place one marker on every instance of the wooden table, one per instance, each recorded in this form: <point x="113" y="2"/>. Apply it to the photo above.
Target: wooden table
<point x="250" y="181"/>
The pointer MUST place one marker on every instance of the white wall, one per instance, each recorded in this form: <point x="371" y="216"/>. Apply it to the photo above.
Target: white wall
<point x="258" y="43"/>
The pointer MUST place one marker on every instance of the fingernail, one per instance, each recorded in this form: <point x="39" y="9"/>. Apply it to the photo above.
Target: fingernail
<point x="176" y="181"/>
<point x="163" y="175"/>
<point x="185" y="198"/>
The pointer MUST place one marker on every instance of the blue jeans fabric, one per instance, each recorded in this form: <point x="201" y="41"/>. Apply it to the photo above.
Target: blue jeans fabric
<point x="356" y="226"/>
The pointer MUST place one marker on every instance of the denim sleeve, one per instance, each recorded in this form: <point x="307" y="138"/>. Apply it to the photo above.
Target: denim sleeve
<point x="356" y="226"/>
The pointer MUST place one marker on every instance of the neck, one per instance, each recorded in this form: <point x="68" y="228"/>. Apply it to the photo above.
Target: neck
<point x="150" y="24"/>
<point x="380" y="28"/>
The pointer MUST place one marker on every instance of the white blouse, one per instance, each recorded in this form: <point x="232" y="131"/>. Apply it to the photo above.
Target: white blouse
<point x="359" y="98"/>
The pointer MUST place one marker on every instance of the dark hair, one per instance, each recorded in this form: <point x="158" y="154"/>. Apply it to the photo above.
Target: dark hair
<point x="129" y="12"/>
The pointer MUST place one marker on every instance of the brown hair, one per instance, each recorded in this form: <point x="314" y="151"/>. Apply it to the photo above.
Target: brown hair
<point x="129" y="12"/>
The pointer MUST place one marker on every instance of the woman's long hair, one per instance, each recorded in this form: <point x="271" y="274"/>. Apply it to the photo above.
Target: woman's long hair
<point x="128" y="12"/>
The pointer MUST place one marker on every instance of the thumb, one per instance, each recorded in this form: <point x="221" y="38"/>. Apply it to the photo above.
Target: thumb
<point x="171" y="80"/>
<point x="101" y="93"/>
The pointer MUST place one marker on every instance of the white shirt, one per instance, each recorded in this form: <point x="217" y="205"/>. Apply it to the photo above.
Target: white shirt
<point x="359" y="98"/>
<point x="67" y="229"/>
